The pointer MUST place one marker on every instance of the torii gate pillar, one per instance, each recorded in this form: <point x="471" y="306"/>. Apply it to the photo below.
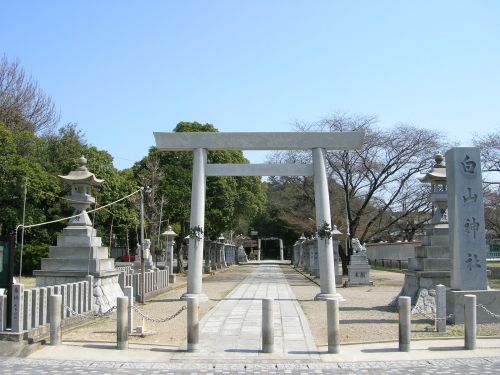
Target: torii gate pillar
<point x="282" y="257"/>
<point x="195" y="251"/>
<point x="325" y="246"/>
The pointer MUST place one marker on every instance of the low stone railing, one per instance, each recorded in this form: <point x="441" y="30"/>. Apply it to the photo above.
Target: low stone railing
<point x="154" y="281"/>
<point x="218" y="256"/>
<point x="391" y="255"/>
<point x="30" y="308"/>
<point x="305" y="257"/>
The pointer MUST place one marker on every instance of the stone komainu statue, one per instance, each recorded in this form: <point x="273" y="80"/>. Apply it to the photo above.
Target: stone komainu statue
<point x="357" y="247"/>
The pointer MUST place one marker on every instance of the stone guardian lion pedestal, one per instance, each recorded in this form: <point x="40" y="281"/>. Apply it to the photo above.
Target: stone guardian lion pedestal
<point x="358" y="269"/>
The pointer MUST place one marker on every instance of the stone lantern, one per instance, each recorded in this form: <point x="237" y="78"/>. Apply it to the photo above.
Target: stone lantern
<point x="169" y="234"/>
<point x="430" y="265"/>
<point x="81" y="181"/>
<point x="79" y="254"/>
<point x="438" y="197"/>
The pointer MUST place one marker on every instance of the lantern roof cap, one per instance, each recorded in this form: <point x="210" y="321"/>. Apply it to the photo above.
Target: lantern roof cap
<point x="81" y="175"/>
<point x="335" y="230"/>
<point x="438" y="171"/>
<point x="169" y="232"/>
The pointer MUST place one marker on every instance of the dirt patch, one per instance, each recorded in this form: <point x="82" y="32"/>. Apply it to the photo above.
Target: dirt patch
<point x="172" y="332"/>
<point x="365" y="315"/>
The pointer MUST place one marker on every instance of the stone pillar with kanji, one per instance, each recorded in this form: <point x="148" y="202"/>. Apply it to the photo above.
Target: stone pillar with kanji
<point x="467" y="235"/>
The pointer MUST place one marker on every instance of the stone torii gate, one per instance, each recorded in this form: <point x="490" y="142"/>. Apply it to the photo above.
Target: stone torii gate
<point x="280" y="242"/>
<point x="201" y="142"/>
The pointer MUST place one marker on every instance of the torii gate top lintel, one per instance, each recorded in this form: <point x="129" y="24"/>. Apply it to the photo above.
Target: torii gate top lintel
<point x="185" y="141"/>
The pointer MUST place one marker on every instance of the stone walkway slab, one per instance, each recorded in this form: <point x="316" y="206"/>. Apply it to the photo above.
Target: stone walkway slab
<point x="233" y="327"/>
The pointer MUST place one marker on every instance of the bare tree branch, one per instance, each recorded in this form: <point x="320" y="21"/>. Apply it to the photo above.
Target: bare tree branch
<point x="23" y="105"/>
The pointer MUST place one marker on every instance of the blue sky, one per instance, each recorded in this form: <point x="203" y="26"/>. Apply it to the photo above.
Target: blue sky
<point x="123" y="69"/>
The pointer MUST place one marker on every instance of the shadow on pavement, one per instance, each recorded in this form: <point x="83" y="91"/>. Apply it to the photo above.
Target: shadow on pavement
<point x="446" y="348"/>
<point x="306" y="352"/>
<point x="165" y="350"/>
<point x="243" y="350"/>
<point x="380" y="350"/>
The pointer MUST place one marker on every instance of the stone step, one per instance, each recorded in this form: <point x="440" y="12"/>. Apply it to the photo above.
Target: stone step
<point x="437" y="230"/>
<point x="78" y="241"/>
<point x="79" y="265"/>
<point x="439" y="240"/>
<point x="443" y="230"/>
<point x="432" y="252"/>
<point x="428" y="264"/>
<point x="429" y="274"/>
<point x="80" y="252"/>
<point x="80" y="231"/>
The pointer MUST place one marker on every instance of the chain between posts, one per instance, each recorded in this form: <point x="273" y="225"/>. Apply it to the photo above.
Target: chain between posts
<point x="447" y="317"/>
<point x="158" y="320"/>
<point x="492" y="314"/>
<point x="73" y="313"/>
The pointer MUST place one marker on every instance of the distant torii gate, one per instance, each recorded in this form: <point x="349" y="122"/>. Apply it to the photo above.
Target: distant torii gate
<point x="201" y="142"/>
<point x="259" y="240"/>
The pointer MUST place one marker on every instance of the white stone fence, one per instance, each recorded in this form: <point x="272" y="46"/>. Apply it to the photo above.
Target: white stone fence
<point x="30" y="307"/>
<point x="155" y="281"/>
<point x="126" y="269"/>
<point x="305" y="256"/>
<point x="391" y="255"/>
<point x="218" y="255"/>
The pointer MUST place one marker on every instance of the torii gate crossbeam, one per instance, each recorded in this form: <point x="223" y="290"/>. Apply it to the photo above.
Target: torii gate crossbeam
<point x="201" y="142"/>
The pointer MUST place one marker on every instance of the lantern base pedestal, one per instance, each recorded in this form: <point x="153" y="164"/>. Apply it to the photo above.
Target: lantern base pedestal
<point x="79" y="253"/>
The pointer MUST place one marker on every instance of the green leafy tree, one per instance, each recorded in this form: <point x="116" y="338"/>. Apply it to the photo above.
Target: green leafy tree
<point x="230" y="201"/>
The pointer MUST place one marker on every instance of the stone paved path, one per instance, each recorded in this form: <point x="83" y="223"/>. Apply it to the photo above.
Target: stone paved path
<point x="469" y="366"/>
<point x="233" y="327"/>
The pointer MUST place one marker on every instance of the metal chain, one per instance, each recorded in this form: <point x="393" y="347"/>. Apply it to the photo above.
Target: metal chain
<point x="492" y="314"/>
<point x="73" y="313"/>
<point x="447" y="317"/>
<point x="158" y="320"/>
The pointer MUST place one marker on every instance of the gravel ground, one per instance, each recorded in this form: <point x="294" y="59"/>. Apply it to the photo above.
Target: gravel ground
<point x="172" y="332"/>
<point x="364" y="314"/>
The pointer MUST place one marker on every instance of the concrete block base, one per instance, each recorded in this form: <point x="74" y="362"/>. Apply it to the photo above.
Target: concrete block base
<point x="359" y="274"/>
<point x="171" y="279"/>
<point x="490" y="299"/>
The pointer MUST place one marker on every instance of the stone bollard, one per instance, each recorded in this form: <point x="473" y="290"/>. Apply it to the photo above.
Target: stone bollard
<point x="193" y="324"/>
<point x="470" y="327"/>
<point x="122" y="323"/>
<point x="267" y="325"/>
<point x="332" y="317"/>
<point x="3" y="313"/>
<point x="404" y="323"/>
<point x="129" y="293"/>
<point x="55" y="305"/>
<point x="440" y="322"/>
